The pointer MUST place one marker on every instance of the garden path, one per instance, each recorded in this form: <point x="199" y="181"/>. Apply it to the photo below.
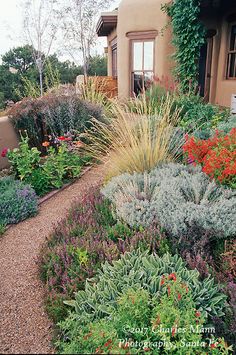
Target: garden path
<point x="24" y="325"/>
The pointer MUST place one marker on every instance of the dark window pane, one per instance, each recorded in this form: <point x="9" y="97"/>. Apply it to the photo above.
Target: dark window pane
<point x="232" y="65"/>
<point x="148" y="79"/>
<point x="114" y="62"/>
<point x="137" y="83"/>
<point x="233" y="39"/>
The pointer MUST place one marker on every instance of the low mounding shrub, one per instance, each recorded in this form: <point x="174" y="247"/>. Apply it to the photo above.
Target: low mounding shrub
<point x="53" y="115"/>
<point x="141" y="322"/>
<point x="217" y="156"/>
<point x="196" y="114"/>
<point x="224" y="127"/>
<point x="17" y="202"/>
<point x="133" y="299"/>
<point x="88" y="237"/>
<point x="181" y="199"/>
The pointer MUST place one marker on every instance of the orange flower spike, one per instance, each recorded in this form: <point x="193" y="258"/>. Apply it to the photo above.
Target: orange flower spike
<point x="45" y="144"/>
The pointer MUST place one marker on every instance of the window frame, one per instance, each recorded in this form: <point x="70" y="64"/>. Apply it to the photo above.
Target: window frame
<point x="230" y="52"/>
<point x="144" y="36"/>
<point x="113" y="45"/>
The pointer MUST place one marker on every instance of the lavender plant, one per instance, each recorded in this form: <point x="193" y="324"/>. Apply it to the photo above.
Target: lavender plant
<point x="18" y="201"/>
<point x="181" y="199"/>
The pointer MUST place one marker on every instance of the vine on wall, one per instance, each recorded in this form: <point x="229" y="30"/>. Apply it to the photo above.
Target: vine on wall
<point x="188" y="37"/>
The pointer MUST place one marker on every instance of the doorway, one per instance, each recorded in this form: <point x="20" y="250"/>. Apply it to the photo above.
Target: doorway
<point x="205" y="64"/>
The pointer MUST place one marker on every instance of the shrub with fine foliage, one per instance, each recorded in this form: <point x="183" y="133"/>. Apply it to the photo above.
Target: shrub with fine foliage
<point x="182" y="199"/>
<point x="18" y="201"/>
<point x="53" y="114"/>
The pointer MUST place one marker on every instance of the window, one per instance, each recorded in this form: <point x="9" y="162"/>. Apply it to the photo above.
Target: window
<point x="142" y="65"/>
<point x="114" y="57"/>
<point x="114" y="61"/>
<point x="231" y="61"/>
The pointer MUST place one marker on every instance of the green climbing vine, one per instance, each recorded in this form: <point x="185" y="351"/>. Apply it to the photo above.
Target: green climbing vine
<point x="188" y="37"/>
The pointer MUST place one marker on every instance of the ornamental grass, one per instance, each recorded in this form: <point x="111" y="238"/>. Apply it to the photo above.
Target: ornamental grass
<point x="135" y="143"/>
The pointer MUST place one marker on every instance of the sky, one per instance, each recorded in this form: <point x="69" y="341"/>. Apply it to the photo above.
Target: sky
<point x="11" y="26"/>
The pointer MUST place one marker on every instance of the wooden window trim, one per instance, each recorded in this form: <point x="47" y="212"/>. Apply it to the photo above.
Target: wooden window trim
<point x="142" y="35"/>
<point x="229" y="52"/>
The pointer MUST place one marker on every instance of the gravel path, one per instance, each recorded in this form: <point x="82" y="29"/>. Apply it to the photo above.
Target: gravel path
<point x="24" y="325"/>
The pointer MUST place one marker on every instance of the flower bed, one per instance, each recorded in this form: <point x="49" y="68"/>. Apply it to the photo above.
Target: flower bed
<point x="87" y="238"/>
<point x="149" y="250"/>
<point x="217" y="156"/>
<point x="62" y="163"/>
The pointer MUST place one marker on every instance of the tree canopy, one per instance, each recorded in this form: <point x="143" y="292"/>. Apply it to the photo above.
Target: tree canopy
<point x="18" y="67"/>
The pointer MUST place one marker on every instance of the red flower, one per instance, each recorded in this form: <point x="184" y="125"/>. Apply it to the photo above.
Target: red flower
<point x="216" y="155"/>
<point x="62" y="138"/>
<point x="179" y="296"/>
<point x="163" y="280"/>
<point x="198" y="314"/>
<point x="173" y="331"/>
<point x="108" y="343"/>
<point x="146" y="349"/>
<point x="4" y="152"/>
<point x="172" y="277"/>
<point x="213" y="346"/>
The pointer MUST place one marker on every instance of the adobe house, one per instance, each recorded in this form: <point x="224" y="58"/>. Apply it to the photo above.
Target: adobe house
<point x="138" y="49"/>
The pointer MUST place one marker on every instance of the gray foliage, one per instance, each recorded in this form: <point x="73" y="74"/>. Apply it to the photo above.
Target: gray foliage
<point x="182" y="199"/>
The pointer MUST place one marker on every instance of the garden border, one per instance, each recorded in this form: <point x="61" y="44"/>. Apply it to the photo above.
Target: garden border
<point x="49" y="195"/>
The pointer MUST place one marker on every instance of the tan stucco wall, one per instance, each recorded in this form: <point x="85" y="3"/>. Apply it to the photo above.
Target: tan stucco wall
<point x="224" y="88"/>
<point x="8" y="139"/>
<point x="110" y="38"/>
<point x="139" y="15"/>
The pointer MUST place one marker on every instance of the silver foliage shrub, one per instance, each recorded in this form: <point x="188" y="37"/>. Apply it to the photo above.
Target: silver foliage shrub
<point x="180" y="198"/>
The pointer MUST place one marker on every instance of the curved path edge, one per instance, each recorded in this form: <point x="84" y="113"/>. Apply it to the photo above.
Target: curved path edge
<point x="24" y="325"/>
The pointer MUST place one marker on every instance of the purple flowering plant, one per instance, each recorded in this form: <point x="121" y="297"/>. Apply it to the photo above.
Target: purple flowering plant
<point x="78" y="246"/>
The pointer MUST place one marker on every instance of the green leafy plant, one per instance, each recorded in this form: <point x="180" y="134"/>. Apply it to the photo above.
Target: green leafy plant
<point x="60" y="165"/>
<point x="24" y="159"/>
<point x="53" y="171"/>
<point x="188" y="37"/>
<point x="150" y="305"/>
<point x="140" y="270"/>
<point x="2" y="229"/>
